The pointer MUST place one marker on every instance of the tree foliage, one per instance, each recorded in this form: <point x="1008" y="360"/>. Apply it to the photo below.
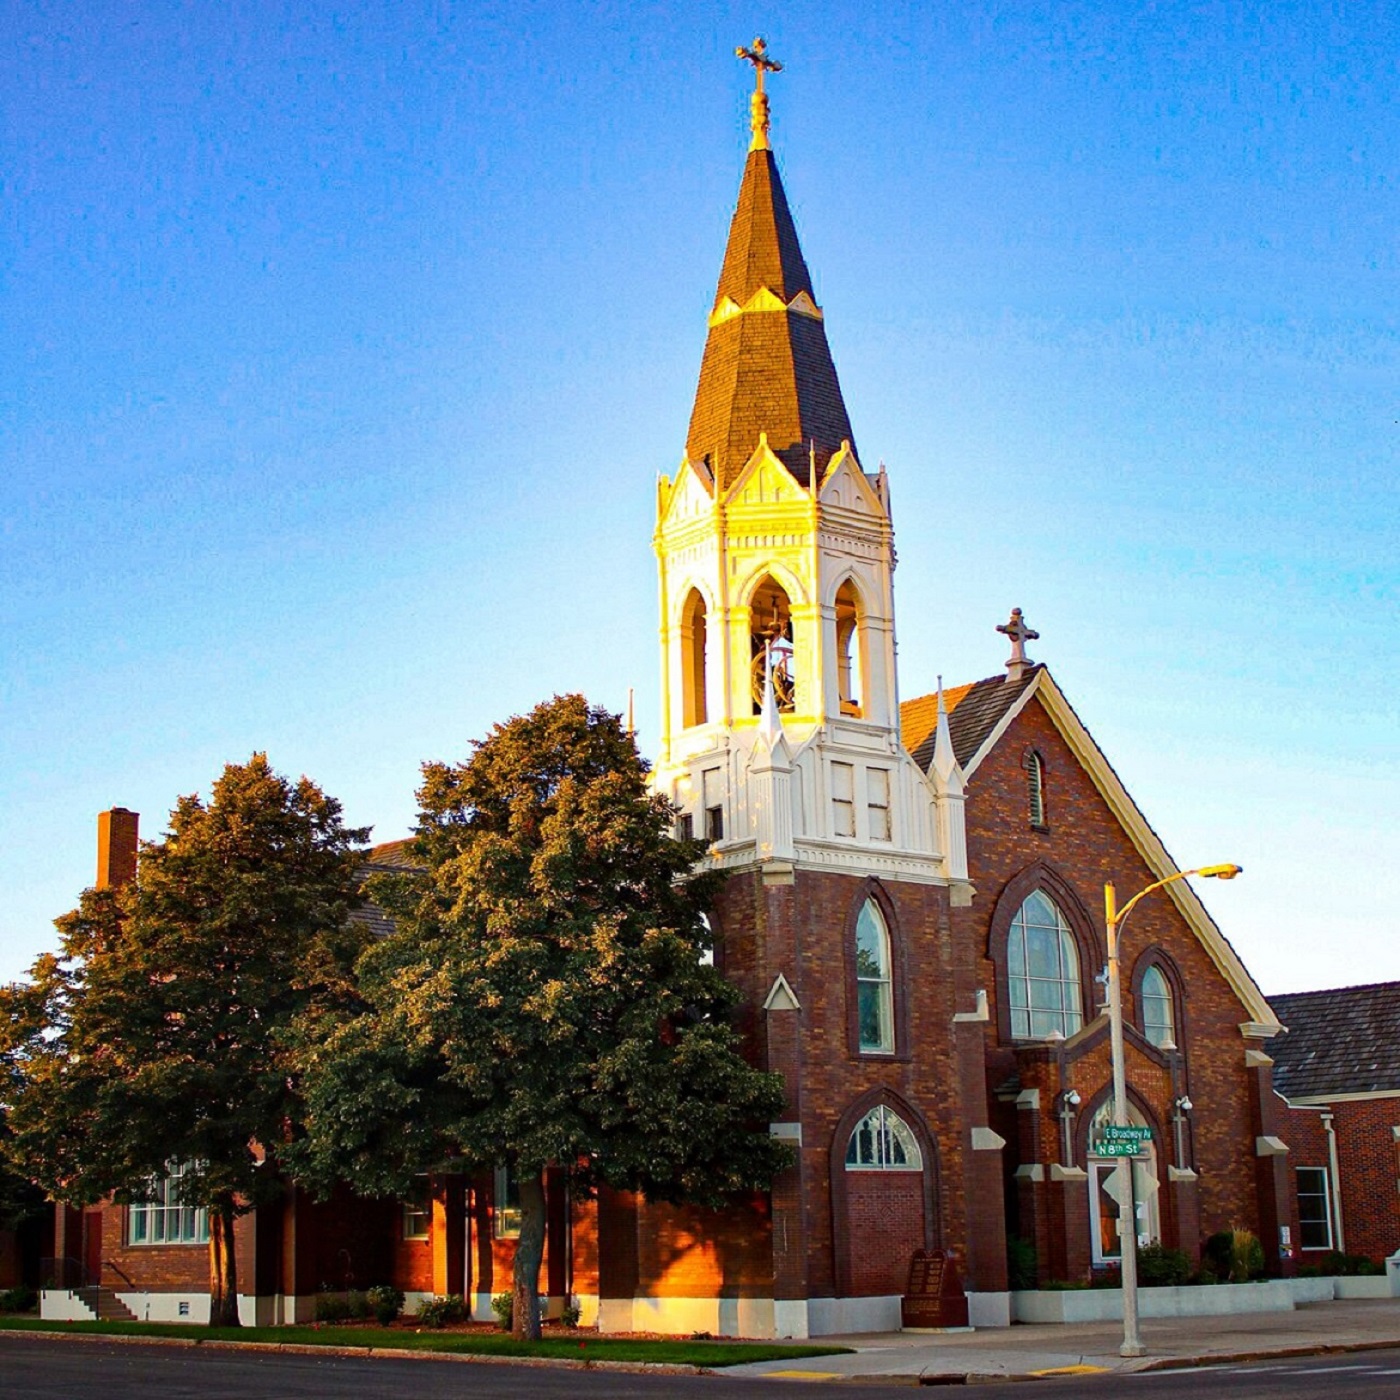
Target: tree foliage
<point x="544" y="999"/>
<point x="155" y="1035"/>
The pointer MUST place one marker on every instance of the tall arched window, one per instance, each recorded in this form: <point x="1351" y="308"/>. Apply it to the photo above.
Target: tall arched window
<point x="693" y="646"/>
<point x="1035" y="789"/>
<point x="873" y="990"/>
<point x="771" y="644"/>
<point x="1042" y="972"/>
<point x="1155" y="999"/>
<point x="848" y="649"/>
<point x="882" y="1141"/>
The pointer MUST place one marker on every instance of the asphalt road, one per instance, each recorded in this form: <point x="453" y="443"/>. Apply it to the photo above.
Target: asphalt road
<point x="32" y="1369"/>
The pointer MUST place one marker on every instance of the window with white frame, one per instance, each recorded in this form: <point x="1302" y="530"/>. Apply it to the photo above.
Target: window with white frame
<point x="882" y="1142"/>
<point x="712" y="798"/>
<point x="165" y="1217"/>
<point x="1042" y="966"/>
<point x="418" y="1211"/>
<point x="843" y="799"/>
<point x="1314" y="1209"/>
<point x="877" y="803"/>
<point x="1158" y="1023"/>
<point x="505" y="1218"/>
<point x="874" y="993"/>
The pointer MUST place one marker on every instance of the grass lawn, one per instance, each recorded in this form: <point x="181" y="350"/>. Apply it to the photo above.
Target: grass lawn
<point x="576" y="1346"/>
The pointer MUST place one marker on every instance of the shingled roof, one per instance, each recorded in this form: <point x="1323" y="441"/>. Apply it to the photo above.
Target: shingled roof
<point x="973" y="712"/>
<point x="1342" y="1041"/>
<point x="384" y="859"/>
<point x="765" y="369"/>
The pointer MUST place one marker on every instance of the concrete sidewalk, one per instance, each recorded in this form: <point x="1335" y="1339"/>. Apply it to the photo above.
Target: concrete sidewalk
<point x="1024" y="1352"/>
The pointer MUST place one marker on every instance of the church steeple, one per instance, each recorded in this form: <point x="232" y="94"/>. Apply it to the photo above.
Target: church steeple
<point x="767" y="367"/>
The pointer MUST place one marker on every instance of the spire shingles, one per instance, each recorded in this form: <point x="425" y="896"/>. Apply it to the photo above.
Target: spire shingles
<point x="765" y="370"/>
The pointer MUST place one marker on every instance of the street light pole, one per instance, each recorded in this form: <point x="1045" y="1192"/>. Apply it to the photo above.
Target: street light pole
<point x="1127" y="1206"/>
<point x="1114" y="919"/>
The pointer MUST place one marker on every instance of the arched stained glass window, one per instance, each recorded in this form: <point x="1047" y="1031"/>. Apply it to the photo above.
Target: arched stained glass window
<point x="875" y="1000"/>
<point x="1158" y="1022"/>
<point x="882" y="1141"/>
<point x="1042" y="966"/>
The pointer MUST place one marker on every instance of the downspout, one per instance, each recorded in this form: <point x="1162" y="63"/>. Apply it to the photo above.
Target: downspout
<point x="1336" y="1173"/>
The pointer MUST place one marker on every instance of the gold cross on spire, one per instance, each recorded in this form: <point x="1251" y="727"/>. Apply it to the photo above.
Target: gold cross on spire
<point x="758" y="103"/>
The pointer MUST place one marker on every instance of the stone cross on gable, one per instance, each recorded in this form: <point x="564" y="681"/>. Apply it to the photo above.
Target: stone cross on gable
<point x="1018" y="663"/>
<point x="758" y="103"/>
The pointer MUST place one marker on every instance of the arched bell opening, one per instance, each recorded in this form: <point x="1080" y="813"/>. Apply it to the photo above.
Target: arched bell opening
<point x="694" y="645"/>
<point x="771" y="646"/>
<point x="850" y="661"/>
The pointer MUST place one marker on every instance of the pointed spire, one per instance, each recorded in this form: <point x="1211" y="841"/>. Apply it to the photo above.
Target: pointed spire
<point x="944" y="759"/>
<point x="767" y="365"/>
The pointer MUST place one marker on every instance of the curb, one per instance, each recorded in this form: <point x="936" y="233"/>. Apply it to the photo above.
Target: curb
<point x="558" y="1363"/>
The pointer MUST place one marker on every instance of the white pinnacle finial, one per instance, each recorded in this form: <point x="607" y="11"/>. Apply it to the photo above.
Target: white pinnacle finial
<point x="944" y="759"/>
<point x="770" y="726"/>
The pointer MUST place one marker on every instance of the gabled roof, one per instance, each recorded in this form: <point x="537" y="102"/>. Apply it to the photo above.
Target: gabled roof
<point x="384" y="859"/>
<point x="1342" y="1041"/>
<point x="767" y="367"/>
<point x="974" y="711"/>
<point x="981" y="714"/>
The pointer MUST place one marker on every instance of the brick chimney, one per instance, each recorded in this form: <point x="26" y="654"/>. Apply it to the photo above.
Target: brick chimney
<point x="116" y="847"/>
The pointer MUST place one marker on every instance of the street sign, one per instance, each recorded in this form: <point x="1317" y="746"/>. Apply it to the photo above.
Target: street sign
<point x="1133" y="1132"/>
<point x="1133" y="1148"/>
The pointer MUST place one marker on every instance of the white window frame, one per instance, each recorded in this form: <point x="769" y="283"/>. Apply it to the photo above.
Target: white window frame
<point x="874" y="978"/>
<point x="843" y="799"/>
<point x="164" y="1220"/>
<point x="1068" y="1017"/>
<point x="877" y="804"/>
<point x="1153" y="1029"/>
<point x="888" y="1137"/>
<point x="1326" y="1177"/>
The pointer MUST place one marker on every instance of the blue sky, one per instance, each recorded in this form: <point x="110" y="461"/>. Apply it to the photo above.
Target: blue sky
<point x="341" y="349"/>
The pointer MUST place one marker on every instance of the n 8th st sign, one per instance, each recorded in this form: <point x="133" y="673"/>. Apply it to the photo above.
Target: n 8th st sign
<point x="1131" y="1141"/>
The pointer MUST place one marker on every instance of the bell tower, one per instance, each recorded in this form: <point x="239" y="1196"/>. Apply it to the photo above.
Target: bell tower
<point x="780" y="705"/>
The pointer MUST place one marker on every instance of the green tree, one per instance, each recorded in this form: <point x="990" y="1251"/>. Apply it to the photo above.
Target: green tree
<point x="544" y="999"/>
<point x="155" y="1035"/>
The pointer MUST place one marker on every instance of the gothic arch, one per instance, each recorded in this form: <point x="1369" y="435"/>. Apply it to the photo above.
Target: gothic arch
<point x="1044" y="877"/>
<point x="780" y="574"/>
<point x="931" y="1184"/>
<point x="681" y="597"/>
<point x="871" y="889"/>
<point x="1156" y="956"/>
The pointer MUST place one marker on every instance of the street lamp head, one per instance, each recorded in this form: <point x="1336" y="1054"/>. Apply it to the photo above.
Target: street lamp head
<point x="1185" y="1104"/>
<point x="1072" y="1098"/>
<point x="1220" y="872"/>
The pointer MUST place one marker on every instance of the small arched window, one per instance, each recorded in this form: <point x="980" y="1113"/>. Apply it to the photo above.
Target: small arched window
<point x="1042" y="972"/>
<point x="848" y="649"/>
<point x="1158" y="1021"/>
<point x="882" y="1142"/>
<point x="771" y="646"/>
<point x="1035" y="789"/>
<point x="694" y="642"/>
<point x="874" y="994"/>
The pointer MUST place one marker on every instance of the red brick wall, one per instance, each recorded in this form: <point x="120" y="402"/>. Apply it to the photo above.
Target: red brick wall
<point x="885" y="1215"/>
<point x="1085" y="846"/>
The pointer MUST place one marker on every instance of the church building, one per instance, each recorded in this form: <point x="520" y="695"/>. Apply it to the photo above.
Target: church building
<point x="914" y="914"/>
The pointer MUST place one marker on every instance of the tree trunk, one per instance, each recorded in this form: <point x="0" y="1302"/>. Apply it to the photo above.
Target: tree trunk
<point x="223" y="1266"/>
<point x="529" y="1252"/>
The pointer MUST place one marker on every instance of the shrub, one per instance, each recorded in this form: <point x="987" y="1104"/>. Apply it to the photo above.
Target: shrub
<point x="438" y="1312"/>
<point x="571" y="1313"/>
<point x="503" y="1305"/>
<point x="1021" y="1263"/>
<point x="1106" y="1276"/>
<point x="1160" y="1267"/>
<point x="1334" y="1262"/>
<point x="358" y="1304"/>
<point x="386" y="1302"/>
<point x="332" y="1307"/>
<point x="18" y="1300"/>
<point x="1234" y="1256"/>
